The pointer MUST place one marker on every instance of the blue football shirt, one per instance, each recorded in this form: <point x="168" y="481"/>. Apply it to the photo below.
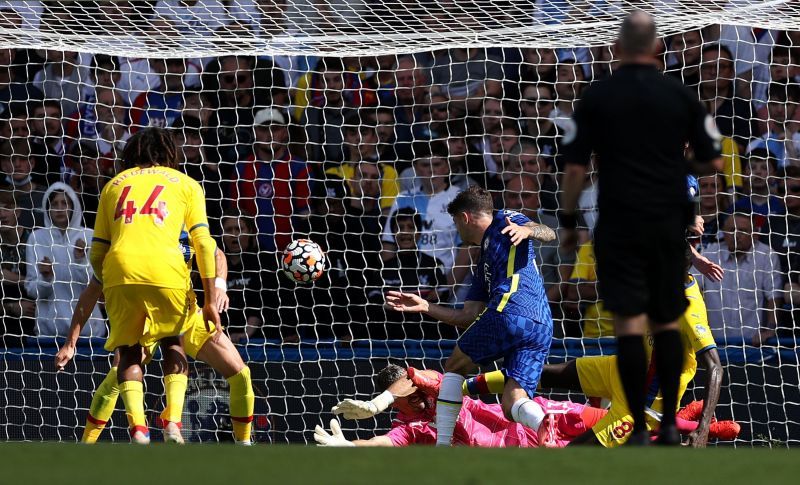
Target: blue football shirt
<point x="507" y="277"/>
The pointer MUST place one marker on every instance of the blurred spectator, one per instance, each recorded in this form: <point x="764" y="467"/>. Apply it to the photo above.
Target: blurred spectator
<point x="362" y="207"/>
<point x="194" y="161"/>
<point x="412" y="97"/>
<point x="467" y="76"/>
<point x="522" y="194"/>
<point x="409" y="270"/>
<point x="714" y="206"/>
<point x="783" y="234"/>
<point x="90" y="174"/>
<point x="782" y="70"/>
<point x="742" y="306"/>
<point x="733" y="114"/>
<point x="193" y="18"/>
<point x="782" y="139"/>
<point x="266" y="18"/>
<point x="27" y="14"/>
<point x="17" y="126"/>
<point x="271" y="184"/>
<point x="325" y="113"/>
<point x="62" y="78"/>
<point x="243" y="320"/>
<point x="48" y="133"/>
<point x="18" y="312"/>
<point x="534" y="164"/>
<point x="15" y="93"/>
<point x="244" y="85"/>
<point x="538" y="66"/>
<point x="163" y="103"/>
<point x="57" y="264"/>
<point x="685" y="54"/>
<point x="104" y="121"/>
<point x="480" y="143"/>
<point x="537" y="105"/>
<point x="429" y="199"/>
<point x="385" y="129"/>
<point x="104" y="72"/>
<point x="361" y="146"/>
<point x="17" y="162"/>
<point x="761" y="173"/>
<point x="570" y="82"/>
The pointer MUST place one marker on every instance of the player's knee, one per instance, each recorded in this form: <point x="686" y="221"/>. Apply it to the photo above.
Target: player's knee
<point x="459" y="363"/>
<point x="507" y="407"/>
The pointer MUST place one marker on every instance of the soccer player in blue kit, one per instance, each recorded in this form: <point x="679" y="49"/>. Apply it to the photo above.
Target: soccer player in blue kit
<point x="506" y="311"/>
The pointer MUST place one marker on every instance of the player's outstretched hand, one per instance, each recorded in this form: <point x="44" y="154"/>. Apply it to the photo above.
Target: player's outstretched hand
<point x="355" y="409"/>
<point x="64" y="355"/>
<point x="516" y="232"/>
<point x="334" y="438"/>
<point x="708" y="268"/>
<point x="222" y="301"/>
<point x="406" y="302"/>
<point x="211" y="316"/>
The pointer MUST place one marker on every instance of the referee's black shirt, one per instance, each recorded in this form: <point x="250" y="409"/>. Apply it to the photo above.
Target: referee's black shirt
<point x="637" y="122"/>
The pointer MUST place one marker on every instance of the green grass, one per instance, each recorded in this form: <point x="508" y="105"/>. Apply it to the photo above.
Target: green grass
<point x="61" y="464"/>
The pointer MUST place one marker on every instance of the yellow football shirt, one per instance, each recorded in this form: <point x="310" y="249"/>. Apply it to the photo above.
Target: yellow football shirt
<point x="140" y="217"/>
<point x="597" y="321"/>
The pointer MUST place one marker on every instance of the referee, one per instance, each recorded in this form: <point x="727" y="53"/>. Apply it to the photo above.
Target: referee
<point x="637" y="122"/>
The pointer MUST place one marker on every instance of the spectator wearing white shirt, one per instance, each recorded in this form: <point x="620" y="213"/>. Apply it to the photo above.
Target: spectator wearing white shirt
<point x="61" y="78"/>
<point x="58" y="267"/>
<point x="742" y="306"/>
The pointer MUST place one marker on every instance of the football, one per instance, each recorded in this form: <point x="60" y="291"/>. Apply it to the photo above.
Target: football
<point x="303" y="261"/>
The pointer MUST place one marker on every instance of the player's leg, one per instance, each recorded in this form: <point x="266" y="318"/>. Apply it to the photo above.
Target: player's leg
<point x="667" y="305"/>
<point x="488" y="383"/>
<point x="632" y="369"/>
<point x="104" y="401"/>
<point x="561" y="376"/>
<point x="127" y="317"/>
<point x="223" y="357"/>
<point x="622" y="266"/>
<point x="448" y="404"/>
<point x="176" y="377"/>
<point x="131" y="389"/>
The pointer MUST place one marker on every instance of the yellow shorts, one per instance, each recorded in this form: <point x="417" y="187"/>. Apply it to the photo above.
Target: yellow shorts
<point x="145" y="314"/>
<point x="599" y="378"/>
<point x="196" y="335"/>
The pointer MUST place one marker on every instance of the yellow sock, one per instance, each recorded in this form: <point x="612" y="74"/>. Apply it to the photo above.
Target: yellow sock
<point x="132" y="393"/>
<point x="242" y="403"/>
<point x="490" y="383"/>
<point x="103" y="403"/>
<point x="175" y="390"/>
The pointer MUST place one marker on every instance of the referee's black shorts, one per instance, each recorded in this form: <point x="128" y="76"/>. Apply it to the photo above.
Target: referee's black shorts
<point x="642" y="270"/>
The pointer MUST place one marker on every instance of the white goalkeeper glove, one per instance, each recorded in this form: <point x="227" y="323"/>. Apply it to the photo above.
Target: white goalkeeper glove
<point x="354" y="409"/>
<point x="335" y="438"/>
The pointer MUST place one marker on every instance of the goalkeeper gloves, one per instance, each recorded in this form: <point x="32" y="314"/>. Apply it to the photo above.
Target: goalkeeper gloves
<point x="335" y="438"/>
<point x="354" y="409"/>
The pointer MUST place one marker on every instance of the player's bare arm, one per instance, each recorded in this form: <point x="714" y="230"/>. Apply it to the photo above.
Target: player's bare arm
<point x="714" y="373"/>
<point x="411" y="303"/>
<point x="529" y="230"/>
<point x="83" y="310"/>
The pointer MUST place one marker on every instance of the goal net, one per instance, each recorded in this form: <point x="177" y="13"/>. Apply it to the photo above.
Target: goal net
<point x="353" y="123"/>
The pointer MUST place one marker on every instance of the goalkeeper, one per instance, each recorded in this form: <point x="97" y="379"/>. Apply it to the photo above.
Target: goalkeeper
<point x="413" y="393"/>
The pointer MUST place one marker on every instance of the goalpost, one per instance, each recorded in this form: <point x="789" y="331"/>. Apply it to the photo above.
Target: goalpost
<point x="307" y="118"/>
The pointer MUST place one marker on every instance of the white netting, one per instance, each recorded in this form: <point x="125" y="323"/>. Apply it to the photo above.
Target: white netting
<point x="287" y="143"/>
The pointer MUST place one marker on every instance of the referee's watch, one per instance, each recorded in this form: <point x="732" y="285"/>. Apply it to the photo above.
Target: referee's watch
<point x="567" y="220"/>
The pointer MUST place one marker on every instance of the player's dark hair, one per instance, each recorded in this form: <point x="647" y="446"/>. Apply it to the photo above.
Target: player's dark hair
<point x="388" y="376"/>
<point x="151" y="147"/>
<point x="406" y="213"/>
<point x="637" y="34"/>
<point x="474" y="199"/>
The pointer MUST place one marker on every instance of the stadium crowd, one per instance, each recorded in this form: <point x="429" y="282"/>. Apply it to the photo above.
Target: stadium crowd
<point x="362" y="155"/>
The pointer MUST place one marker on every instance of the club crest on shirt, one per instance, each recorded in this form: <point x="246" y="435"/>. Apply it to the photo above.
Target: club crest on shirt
<point x="700" y="329"/>
<point x="265" y="190"/>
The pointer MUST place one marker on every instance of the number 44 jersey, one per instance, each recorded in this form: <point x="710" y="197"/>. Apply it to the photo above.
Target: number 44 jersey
<point x="141" y="215"/>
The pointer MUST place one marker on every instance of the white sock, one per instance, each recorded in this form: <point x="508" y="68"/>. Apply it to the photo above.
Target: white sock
<point x="527" y="413"/>
<point x="447" y="407"/>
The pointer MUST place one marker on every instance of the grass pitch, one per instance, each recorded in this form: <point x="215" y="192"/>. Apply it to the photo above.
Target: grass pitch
<point x="61" y="464"/>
